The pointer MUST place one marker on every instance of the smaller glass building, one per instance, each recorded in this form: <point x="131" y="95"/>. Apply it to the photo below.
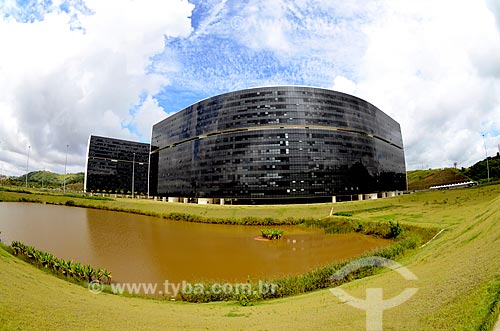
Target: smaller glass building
<point x="111" y="164"/>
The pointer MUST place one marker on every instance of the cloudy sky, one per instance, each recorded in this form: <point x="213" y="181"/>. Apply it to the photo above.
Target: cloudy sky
<point x="71" y="68"/>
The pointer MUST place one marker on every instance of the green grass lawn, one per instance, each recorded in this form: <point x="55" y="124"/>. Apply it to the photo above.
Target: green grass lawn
<point x="458" y="276"/>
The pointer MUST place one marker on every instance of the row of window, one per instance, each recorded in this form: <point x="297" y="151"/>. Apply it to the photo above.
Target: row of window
<point x="206" y="168"/>
<point x="336" y="110"/>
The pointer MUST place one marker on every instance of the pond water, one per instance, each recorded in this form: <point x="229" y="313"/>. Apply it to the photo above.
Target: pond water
<point x="139" y="248"/>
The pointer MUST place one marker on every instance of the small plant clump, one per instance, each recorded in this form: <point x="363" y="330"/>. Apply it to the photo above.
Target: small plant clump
<point x="59" y="266"/>
<point x="272" y="234"/>
<point x="395" y="229"/>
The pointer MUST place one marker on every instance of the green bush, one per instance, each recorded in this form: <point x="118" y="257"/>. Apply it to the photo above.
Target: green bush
<point x="6" y="189"/>
<point x="272" y="234"/>
<point x="23" y="199"/>
<point x="395" y="230"/>
<point x="89" y="197"/>
<point x="59" y="266"/>
<point x="343" y="213"/>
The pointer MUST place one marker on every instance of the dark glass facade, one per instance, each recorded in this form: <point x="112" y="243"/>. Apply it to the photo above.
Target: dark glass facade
<point x="110" y="166"/>
<point x="281" y="143"/>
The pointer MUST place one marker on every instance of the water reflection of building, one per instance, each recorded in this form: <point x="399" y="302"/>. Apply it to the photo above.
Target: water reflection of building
<point x="111" y="164"/>
<point x="278" y="144"/>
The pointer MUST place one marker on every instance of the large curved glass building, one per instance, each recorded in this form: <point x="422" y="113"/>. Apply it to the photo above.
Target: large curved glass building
<point x="277" y="144"/>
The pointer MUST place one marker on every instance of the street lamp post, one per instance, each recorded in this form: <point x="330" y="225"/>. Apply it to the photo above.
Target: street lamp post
<point x="27" y="164"/>
<point x="486" y="154"/>
<point x="65" y="164"/>
<point x="133" y="176"/>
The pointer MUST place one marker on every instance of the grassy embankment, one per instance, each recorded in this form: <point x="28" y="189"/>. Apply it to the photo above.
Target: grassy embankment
<point x="423" y="179"/>
<point x="458" y="277"/>
<point x="211" y="213"/>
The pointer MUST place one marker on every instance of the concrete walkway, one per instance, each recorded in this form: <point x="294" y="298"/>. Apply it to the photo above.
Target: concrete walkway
<point x="497" y="326"/>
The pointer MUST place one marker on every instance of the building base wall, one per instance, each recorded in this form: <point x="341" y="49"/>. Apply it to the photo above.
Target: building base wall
<point x="289" y="201"/>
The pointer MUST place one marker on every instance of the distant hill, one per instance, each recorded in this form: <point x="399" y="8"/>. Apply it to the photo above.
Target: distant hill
<point x="423" y="179"/>
<point x="479" y="170"/>
<point x="47" y="179"/>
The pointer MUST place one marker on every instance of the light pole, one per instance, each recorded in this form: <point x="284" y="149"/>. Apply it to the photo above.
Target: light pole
<point x="133" y="176"/>
<point x="487" y="163"/>
<point x="27" y="164"/>
<point x="65" y="164"/>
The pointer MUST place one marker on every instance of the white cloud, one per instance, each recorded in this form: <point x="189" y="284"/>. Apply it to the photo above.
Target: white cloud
<point x="309" y="29"/>
<point x="147" y="114"/>
<point x="431" y="72"/>
<point x="494" y="6"/>
<point x="61" y="84"/>
<point x="213" y="16"/>
<point x="270" y="42"/>
<point x="345" y="85"/>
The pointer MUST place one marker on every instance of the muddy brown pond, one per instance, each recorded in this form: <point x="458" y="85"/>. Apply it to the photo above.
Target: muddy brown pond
<point x="139" y="248"/>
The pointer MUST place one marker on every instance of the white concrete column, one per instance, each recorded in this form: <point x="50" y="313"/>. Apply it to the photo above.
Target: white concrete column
<point x="185" y="200"/>
<point x="334" y="199"/>
<point x="164" y="199"/>
<point x="173" y="199"/>
<point x="360" y="196"/>
<point x="222" y="202"/>
<point x="371" y="196"/>
<point x="205" y="201"/>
